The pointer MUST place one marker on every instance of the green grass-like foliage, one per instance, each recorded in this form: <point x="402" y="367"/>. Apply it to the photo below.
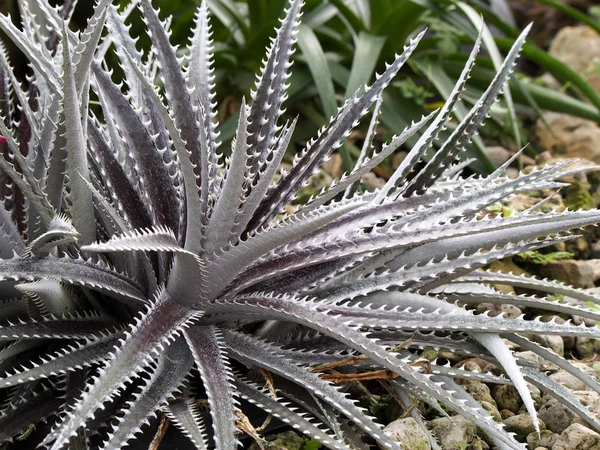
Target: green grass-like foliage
<point x="142" y="271"/>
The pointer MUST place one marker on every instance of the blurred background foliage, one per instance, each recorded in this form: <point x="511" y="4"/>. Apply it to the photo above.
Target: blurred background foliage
<point x="342" y="44"/>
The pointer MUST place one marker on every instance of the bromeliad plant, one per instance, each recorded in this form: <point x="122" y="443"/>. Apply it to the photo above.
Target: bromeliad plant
<point x="143" y="271"/>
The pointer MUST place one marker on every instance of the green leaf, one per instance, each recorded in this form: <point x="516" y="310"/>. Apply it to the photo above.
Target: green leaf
<point x="496" y="57"/>
<point x="559" y="70"/>
<point x="317" y="63"/>
<point x="228" y="14"/>
<point x="319" y="15"/>
<point x="355" y="22"/>
<point x="82" y="206"/>
<point x="264" y="13"/>
<point x="402" y="21"/>
<point x="380" y="9"/>
<point x="311" y="444"/>
<point x="435" y="72"/>
<point x="546" y="99"/>
<point x="319" y="68"/>
<point x="366" y="54"/>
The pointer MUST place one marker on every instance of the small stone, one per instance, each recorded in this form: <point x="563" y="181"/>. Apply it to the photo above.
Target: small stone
<point x="594" y="290"/>
<point x="478" y="390"/>
<point x="512" y="173"/>
<point x="505" y="414"/>
<point x="569" y="381"/>
<point x="507" y="397"/>
<point x="571" y="137"/>
<point x="574" y="272"/>
<point x="595" y="265"/>
<point x="552" y="342"/>
<point x="492" y="409"/>
<point x="492" y="368"/>
<point x="530" y="356"/>
<point x="282" y="441"/>
<point x="497" y="154"/>
<point x="591" y="400"/>
<point x="472" y="364"/>
<point x="506" y="266"/>
<point x="559" y="247"/>
<point x="546" y="439"/>
<point x="536" y="393"/>
<point x="496" y="309"/>
<point x="578" y="437"/>
<point x="451" y="431"/>
<point x="536" y="396"/>
<point x="555" y="415"/>
<point x="372" y="181"/>
<point x="587" y="369"/>
<point x="579" y="48"/>
<point x="578" y="320"/>
<point x="452" y="357"/>
<point x="408" y="432"/>
<point x="584" y="346"/>
<point x="521" y="425"/>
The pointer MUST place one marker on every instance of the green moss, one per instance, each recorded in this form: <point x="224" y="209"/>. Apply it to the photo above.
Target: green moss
<point x="446" y="36"/>
<point x="287" y="440"/>
<point x="461" y="445"/>
<point x="578" y="197"/>
<point x="500" y="209"/>
<point x="535" y="257"/>
<point x="410" y="89"/>
<point x="446" y="408"/>
<point x="594" y="180"/>
<point x="429" y="354"/>
<point x="476" y="444"/>
<point x="311" y="444"/>
<point x="378" y="407"/>
<point x="555" y="298"/>
<point x="593" y="306"/>
<point x="554" y="203"/>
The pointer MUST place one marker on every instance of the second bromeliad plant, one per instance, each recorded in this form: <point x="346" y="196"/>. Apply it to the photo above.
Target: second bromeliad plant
<point x="134" y="253"/>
